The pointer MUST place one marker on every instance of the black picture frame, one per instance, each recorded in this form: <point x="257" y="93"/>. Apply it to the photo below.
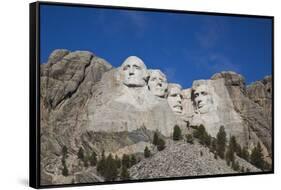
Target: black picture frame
<point x="34" y="92"/>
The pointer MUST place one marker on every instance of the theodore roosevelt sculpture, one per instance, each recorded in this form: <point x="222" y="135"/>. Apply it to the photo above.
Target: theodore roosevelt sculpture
<point x="157" y="83"/>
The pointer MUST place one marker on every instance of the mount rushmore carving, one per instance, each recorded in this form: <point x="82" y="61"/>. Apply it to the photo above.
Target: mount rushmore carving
<point x="85" y="102"/>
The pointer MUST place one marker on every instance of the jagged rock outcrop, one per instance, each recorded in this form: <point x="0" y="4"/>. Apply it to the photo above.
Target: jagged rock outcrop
<point x="85" y="104"/>
<point x="224" y="100"/>
<point x="254" y="116"/>
<point x="88" y="104"/>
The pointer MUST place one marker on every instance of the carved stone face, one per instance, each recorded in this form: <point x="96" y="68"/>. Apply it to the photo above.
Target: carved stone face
<point x="135" y="72"/>
<point x="157" y="83"/>
<point x="175" y="98"/>
<point x="202" y="98"/>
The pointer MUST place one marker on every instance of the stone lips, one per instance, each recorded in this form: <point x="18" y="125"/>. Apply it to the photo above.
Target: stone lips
<point x="84" y="103"/>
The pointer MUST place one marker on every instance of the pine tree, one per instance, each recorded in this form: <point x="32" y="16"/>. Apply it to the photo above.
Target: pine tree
<point x="231" y="149"/>
<point x="64" y="152"/>
<point x="221" y="142"/>
<point x="207" y="139"/>
<point x="101" y="163"/>
<point x="245" y="153"/>
<point x="238" y="150"/>
<point x="235" y="166"/>
<point x="147" y="152"/>
<point x="199" y="132"/>
<point x="161" y="144"/>
<point x="155" y="139"/>
<point x="80" y="154"/>
<point x="93" y="159"/>
<point x="85" y="161"/>
<point x="257" y="157"/>
<point x="126" y="161"/>
<point x="213" y="147"/>
<point x="118" y="161"/>
<point x="233" y="144"/>
<point x="110" y="171"/>
<point x="124" y="173"/>
<point x="133" y="160"/>
<point x="189" y="138"/>
<point x="202" y="135"/>
<point x="64" y="170"/>
<point x="177" y="133"/>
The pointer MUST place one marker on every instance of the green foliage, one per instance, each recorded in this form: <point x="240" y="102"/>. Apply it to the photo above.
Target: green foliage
<point x="161" y="144"/>
<point x="189" y="138"/>
<point x="107" y="167"/>
<point x="118" y="161"/>
<point x="147" y="152"/>
<point x="85" y="161"/>
<point x="93" y="159"/>
<point x="235" y="166"/>
<point x="238" y="150"/>
<point x="221" y="142"/>
<point x="110" y="173"/>
<point x="201" y="134"/>
<point x="101" y="163"/>
<point x="80" y="154"/>
<point x="133" y="160"/>
<point x="231" y="149"/>
<point x="155" y="139"/>
<point x="199" y="131"/>
<point x="64" y="170"/>
<point x="124" y="174"/>
<point x="245" y="154"/>
<point x="257" y="157"/>
<point x="126" y="161"/>
<point x="177" y="133"/>
<point x="64" y="152"/>
<point x="233" y="144"/>
<point x="213" y="146"/>
<point x="216" y="156"/>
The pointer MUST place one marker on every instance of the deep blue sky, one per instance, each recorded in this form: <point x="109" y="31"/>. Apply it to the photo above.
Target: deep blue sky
<point x="185" y="47"/>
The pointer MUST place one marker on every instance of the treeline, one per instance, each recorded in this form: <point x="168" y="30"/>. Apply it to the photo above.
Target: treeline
<point x="111" y="168"/>
<point x="224" y="149"/>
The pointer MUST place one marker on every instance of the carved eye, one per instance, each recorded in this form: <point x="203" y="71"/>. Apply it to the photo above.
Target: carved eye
<point x="137" y="67"/>
<point x="196" y="95"/>
<point x="204" y="93"/>
<point x="126" y="68"/>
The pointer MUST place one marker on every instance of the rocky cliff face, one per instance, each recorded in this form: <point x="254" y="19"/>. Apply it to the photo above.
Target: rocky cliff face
<point x="85" y="104"/>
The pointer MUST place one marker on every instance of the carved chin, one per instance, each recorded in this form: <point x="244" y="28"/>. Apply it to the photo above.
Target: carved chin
<point x="159" y="93"/>
<point x="177" y="109"/>
<point x="203" y="109"/>
<point x="134" y="83"/>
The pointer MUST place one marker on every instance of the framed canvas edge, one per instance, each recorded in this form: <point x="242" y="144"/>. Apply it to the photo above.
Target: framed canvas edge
<point x="34" y="94"/>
